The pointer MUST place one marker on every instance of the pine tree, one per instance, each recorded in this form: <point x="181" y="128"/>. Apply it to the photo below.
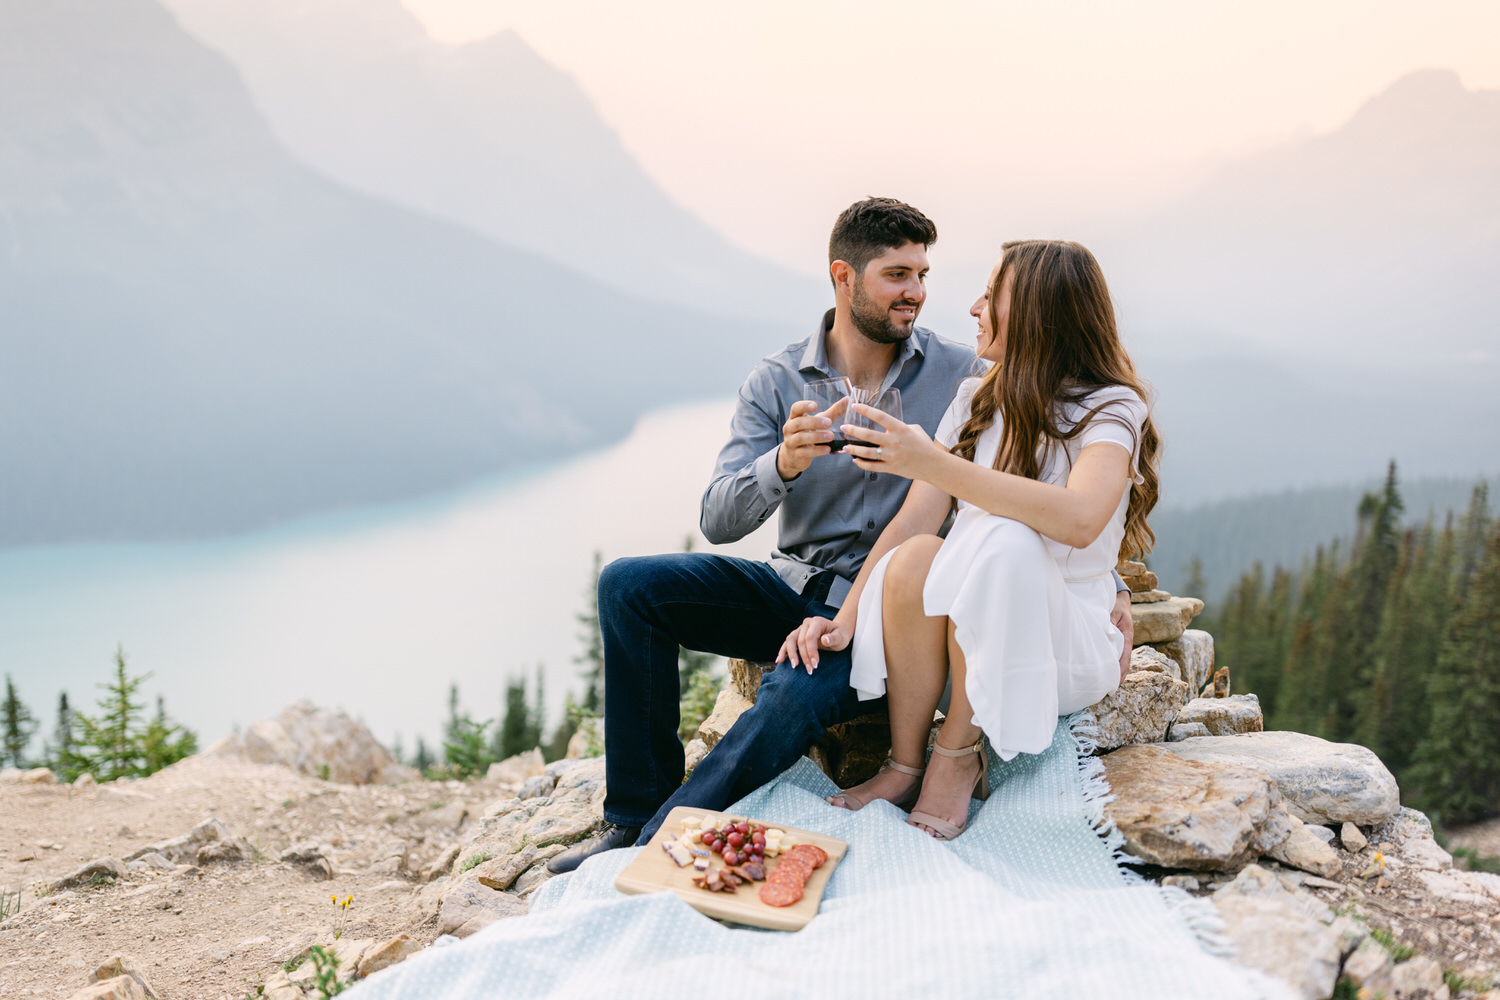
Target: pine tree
<point x="1355" y="627"/>
<point x="518" y="731"/>
<point x="398" y="749"/>
<point x="105" y="746"/>
<point x="62" y="734"/>
<point x="164" y="742"/>
<point x="592" y="657"/>
<point x="538" y="720"/>
<point x="19" y="726"/>
<point x="422" y="758"/>
<point x="1457" y="772"/>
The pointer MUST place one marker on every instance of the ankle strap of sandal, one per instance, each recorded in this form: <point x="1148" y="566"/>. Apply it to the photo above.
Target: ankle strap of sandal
<point x="938" y="748"/>
<point x="896" y="765"/>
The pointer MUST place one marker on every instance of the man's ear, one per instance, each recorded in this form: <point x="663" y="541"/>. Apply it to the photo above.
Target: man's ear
<point x="843" y="277"/>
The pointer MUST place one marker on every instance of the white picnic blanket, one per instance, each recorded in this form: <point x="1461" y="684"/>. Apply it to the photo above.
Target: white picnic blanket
<point x="1031" y="902"/>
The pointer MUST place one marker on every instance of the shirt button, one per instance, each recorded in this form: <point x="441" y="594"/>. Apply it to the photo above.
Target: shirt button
<point x="778" y="492"/>
<point x="869" y="524"/>
<point x="872" y="477"/>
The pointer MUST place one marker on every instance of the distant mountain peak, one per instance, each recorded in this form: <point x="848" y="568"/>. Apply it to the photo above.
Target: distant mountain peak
<point x="1423" y="101"/>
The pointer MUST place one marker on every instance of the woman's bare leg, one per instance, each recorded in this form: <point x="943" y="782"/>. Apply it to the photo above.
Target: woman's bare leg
<point x="916" y="667"/>
<point x="949" y="783"/>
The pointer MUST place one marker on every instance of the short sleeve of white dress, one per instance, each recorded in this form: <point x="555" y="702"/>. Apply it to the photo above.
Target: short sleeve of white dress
<point x="958" y="413"/>
<point x="1119" y="418"/>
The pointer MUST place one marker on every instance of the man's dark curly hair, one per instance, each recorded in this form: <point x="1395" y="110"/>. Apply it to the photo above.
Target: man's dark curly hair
<point x="867" y="229"/>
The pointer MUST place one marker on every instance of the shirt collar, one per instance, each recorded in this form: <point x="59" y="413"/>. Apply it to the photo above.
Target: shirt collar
<point x="815" y="356"/>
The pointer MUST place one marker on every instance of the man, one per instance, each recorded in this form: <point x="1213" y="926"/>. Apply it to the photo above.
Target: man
<point x="831" y="514"/>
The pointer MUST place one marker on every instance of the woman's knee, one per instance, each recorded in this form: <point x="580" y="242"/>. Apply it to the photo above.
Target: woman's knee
<point x="906" y="575"/>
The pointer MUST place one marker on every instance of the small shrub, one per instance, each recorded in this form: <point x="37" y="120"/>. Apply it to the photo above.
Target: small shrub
<point x="10" y="905"/>
<point x="473" y="861"/>
<point x="697" y="702"/>
<point x="342" y="915"/>
<point x="1399" y="952"/>
<point x="1472" y="860"/>
<point x="325" y="972"/>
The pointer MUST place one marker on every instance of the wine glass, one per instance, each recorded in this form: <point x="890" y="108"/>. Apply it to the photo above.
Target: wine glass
<point x="828" y="392"/>
<point x="885" y="400"/>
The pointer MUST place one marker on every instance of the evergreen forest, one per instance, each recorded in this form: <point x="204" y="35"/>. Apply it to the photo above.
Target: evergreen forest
<point x="1390" y="640"/>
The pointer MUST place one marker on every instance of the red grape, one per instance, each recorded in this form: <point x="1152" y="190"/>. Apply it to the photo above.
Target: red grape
<point x="736" y="840"/>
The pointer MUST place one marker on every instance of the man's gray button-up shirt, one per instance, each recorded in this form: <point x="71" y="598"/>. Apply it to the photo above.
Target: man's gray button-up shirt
<point x="832" y="514"/>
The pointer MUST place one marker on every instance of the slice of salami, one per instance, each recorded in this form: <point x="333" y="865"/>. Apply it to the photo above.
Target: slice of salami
<point x="818" y="854"/>
<point x="780" y="893"/>
<point x="799" y="868"/>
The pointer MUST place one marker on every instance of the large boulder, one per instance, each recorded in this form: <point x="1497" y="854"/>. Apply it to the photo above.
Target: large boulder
<point x="727" y="710"/>
<point x="745" y="675"/>
<point x="1163" y="621"/>
<point x="321" y="742"/>
<point x="1193" y="652"/>
<point x="1321" y="782"/>
<point x="1286" y="935"/>
<point x="1141" y="708"/>
<point x="1182" y="814"/>
<point x="1239" y="713"/>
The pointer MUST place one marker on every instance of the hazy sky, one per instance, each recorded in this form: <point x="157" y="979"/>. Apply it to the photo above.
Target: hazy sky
<point x="997" y="118"/>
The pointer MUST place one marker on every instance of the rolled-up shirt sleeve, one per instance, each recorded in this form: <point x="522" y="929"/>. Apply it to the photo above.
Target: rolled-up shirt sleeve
<point x="746" y="488"/>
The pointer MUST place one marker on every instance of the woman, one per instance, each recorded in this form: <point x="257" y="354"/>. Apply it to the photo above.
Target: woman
<point x="1051" y="461"/>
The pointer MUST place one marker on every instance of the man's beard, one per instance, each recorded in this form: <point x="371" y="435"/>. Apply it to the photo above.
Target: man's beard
<point x="875" y="322"/>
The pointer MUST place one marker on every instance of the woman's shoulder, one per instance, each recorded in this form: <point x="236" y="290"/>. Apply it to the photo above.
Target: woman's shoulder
<point x="1115" y="397"/>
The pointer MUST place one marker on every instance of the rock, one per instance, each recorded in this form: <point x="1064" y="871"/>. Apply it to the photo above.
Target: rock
<point x="85" y="781"/>
<point x="500" y="873"/>
<point x="38" y="776"/>
<point x="1221" y="683"/>
<point x="1149" y="658"/>
<point x="536" y="786"/>
<point x="279" y="987"/>
<point x="530" y="880"/>
<point x="184" y="850"/>
<point x="1193" y="652"/>
<point x="232" y="849"/>
<point x="95" y="871"/>
<point x="442" y="864"/>
<point x="1163" y="621"/>
<point x="1148" y="596"/>
<point x="693" y="754"/>
<point x="727" y="709"/>
<point x="1352" y="839"/>
<point x="1321" y="782"/>
<point x="151" y="861"/>
<point x="588" y="740"/>
<point x="390" y="858"/>
<point x="124" y="965"/>
<point x="118" y="988"/>
<point x="1456" y="887"/>
<point x="1183" y="814"/>
<point x="1186" y="731"/>
<point x="1306" y="850"/>
<point x="386" y="954"/>
<point x="516" y="770"/>
<point x="745" y="676"/>
<point x="320" y="742"/>
<point x="1423" y="852"/>
<point x="1224" y="716"/>
<point x="1321" y="832"/>
<point x="1184" y="882"/>
<point x="1369" y="962"/>
<point x="1417" y="978"/>
<point x="1275" y="931"/>
<point x="1136" y="576"/>
<point x="1139" y="710"/>
<point x="470" y="906"/>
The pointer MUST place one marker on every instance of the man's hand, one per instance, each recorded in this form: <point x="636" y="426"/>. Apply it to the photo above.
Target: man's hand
<point x="802" y="645"/>
<point x="1120" y="619"/>
<point x="805" y="436"/>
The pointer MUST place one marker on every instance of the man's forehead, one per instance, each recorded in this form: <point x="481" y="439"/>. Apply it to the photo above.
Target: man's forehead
<point x="912" y="256"/>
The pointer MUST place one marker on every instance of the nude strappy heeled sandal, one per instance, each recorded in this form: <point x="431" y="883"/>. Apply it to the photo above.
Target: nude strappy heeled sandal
<point x="891" y="764"/>
<point x="944" y="829"/>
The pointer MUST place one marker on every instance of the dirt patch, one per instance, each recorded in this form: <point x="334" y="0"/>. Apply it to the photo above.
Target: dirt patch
<point x="216" y="930"/>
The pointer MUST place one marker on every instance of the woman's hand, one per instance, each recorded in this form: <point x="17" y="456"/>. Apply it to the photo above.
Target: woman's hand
<point x="802" y="645"/>
<point x="900" y="449"/>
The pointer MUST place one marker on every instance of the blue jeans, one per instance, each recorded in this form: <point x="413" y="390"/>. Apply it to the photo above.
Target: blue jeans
<point x="650" y="605"/>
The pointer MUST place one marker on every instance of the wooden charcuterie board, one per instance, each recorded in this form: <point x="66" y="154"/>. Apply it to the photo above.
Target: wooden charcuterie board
<point x="654" y="871"/>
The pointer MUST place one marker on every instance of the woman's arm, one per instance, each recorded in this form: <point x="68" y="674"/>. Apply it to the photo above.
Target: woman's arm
<point x="1073" y="514"/>
<point x="922" y="513"/>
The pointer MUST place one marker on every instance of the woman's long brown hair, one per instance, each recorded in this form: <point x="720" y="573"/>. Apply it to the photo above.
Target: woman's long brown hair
<point x="1061" y="344"/>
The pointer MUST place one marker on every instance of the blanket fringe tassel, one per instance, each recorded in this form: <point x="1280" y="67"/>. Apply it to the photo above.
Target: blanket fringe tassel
<point x="1198" y="915"/>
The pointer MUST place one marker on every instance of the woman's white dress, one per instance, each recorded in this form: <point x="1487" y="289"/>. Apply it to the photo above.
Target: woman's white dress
<point x="1030" y="614"/>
